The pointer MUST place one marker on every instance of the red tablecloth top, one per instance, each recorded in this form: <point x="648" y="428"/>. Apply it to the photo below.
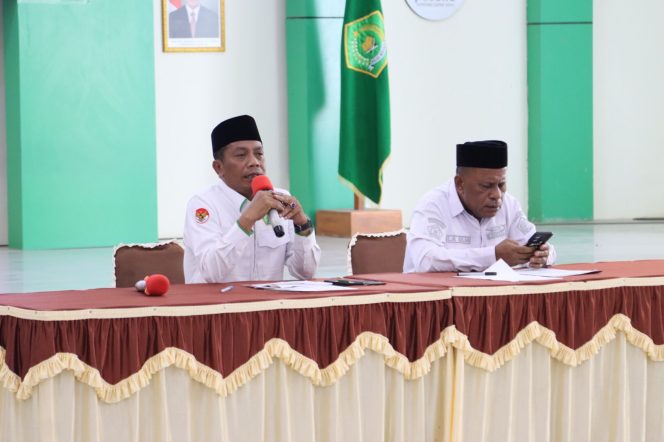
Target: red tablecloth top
<point x="181" y="295"/>
<point x="209" y="294"/>
<point x="608" y="270"/>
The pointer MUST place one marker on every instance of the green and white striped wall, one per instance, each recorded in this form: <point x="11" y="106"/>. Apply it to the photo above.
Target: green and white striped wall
<point x="80" y="105"/>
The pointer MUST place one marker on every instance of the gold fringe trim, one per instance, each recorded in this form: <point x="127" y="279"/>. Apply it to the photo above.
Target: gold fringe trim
<point x="534" y="332"/>
<point x="357" y="191"/>
<point x="450" y="338"/>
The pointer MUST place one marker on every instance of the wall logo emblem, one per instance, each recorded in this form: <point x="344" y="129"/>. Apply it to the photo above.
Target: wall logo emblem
<point x="202" y="215"/>
<point x="364" y="44"/>
<point x="435" y="9"/>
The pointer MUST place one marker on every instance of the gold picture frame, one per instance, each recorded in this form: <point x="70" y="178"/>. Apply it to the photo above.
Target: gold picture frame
<point x="193" y="25"/>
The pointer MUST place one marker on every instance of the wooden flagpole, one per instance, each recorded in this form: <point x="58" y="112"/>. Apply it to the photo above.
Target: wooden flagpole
<point x="358" y="201"/>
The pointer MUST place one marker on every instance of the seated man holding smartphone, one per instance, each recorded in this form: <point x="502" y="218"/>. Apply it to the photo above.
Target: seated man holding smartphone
<point x="470" y="222"/>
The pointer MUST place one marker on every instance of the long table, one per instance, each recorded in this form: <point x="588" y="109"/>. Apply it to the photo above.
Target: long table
<point x="423" y="357"/>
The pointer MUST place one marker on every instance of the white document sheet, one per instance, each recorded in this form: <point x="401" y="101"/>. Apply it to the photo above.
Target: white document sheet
<point x="554" y="273"/>
<point x="301" y="286"/>
<point x="501" y="271"/>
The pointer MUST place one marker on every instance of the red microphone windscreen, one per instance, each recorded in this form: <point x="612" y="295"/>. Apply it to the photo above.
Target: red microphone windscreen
<point x="260" y="182"/>
<point x="156" y="285"/>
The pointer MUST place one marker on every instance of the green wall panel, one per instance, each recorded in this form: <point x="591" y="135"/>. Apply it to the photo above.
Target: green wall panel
<point x="315" y="9"/>
<point x="313" y="57"/>
<point x="13" y="122"/>
<point x="85" y="150"/>
<point x="560" y="120"/>
<point x="550" y="11"/>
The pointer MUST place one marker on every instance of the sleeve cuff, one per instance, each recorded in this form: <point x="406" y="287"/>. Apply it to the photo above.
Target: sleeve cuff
<point x="488" y="256"/>
<point x="306" y="240"/>
<point x="249" y="233"/>
<point x="237" y="236"/>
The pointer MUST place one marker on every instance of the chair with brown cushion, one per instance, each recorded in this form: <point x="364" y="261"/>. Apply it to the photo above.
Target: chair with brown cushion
<point x="377" y="252"/>
<point x="136" y="261"/>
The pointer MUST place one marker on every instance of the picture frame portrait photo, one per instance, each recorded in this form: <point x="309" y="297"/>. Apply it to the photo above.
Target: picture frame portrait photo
<point x="193" y="25"/>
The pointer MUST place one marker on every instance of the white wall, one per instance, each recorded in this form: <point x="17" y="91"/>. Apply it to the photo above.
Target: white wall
<point x="451" y="81"/>
<point x="460" y="79"/>
<point x="195" y="91"/>
<point x="3" y="141"/>
<point x="629" y="109"/>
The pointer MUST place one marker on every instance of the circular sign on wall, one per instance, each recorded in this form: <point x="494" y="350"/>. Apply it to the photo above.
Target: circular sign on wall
<point x="434" y="9"/>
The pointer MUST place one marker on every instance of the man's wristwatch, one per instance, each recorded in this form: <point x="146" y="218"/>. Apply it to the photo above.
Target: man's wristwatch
<point x="299" y="228"/>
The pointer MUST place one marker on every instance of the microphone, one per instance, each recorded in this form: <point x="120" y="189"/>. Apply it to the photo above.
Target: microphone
<point x="153" y="285"/>
<point x="262" y="182"/>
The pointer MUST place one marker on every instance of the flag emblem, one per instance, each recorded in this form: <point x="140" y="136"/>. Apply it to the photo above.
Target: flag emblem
<point x="364" y="44"/>
<point x="202" y="215"/>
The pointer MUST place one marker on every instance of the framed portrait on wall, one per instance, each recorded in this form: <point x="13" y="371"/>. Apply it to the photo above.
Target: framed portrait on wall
<point x="193" y="25"/>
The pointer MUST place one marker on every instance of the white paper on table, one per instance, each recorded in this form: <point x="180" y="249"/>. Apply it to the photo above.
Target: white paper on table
<point x="554" y="273"/>
<point x="301" y="286"/>
<point x="503" y="272"/>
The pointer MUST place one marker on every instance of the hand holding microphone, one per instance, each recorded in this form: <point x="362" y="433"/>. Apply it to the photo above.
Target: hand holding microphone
<point x="262" y="182"/>
<point x="275" y="205"/>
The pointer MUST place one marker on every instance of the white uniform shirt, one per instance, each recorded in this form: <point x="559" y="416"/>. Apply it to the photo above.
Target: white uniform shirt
<point x="444" y="237"/>
<point x="218" y="250"/>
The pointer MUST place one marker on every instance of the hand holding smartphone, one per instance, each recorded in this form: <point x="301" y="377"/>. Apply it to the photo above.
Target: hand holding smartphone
<point x="538" y="239"/>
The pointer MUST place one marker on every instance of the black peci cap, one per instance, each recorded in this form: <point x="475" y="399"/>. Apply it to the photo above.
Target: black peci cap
<point x="238" y="128"/>
<point x="490" y="154"/>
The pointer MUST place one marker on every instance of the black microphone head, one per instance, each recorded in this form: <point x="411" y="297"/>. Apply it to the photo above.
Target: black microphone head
<point x="279" y="231"/>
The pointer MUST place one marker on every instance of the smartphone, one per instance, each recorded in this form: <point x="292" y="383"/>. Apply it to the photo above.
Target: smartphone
<point x="538" y="239"/>
<point x="351" y="282"/>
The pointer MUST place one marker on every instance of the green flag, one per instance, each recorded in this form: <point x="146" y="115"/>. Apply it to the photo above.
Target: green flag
<point x="365" y="99"/>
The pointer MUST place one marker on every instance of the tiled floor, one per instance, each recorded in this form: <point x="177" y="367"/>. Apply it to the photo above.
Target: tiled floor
<point x="29" y="271"/>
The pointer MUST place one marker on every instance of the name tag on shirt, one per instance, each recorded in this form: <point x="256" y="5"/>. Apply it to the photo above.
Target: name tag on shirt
<point x="457" y="239"/>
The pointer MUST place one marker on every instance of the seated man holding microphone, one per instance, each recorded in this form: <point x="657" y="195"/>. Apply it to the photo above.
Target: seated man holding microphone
<point x="470" y="222"/>
<point x="238" y="232"/>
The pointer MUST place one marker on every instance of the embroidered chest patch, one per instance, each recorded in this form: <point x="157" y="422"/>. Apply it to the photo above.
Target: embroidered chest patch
<point x="495" y="232"/>
<point x="524" y="225"/>
<point x="436" y="229"/>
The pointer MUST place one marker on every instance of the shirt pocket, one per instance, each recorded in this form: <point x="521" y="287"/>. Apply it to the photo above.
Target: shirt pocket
<point x="266" y="239"/>
<point x="270" y="253"/>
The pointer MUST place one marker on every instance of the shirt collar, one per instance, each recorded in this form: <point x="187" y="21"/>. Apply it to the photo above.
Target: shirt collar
<point x="455" y="205"/>
<point x="236" y="199"/>
<point x="456" y="208"/>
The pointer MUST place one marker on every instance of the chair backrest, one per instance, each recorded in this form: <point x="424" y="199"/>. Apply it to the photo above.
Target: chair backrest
<point x="136" y="261"/>
<point x="377" y="252"/>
